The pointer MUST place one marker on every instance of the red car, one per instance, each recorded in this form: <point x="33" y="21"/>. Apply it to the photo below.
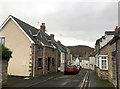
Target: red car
<point x="71" y="69"/>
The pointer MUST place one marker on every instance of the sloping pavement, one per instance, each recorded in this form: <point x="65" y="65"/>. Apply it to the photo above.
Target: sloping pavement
<point x="96" y="83"/>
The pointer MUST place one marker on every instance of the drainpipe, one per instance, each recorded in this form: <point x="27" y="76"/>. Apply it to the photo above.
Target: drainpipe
<point x="56" y="59"/>
<point x="117" y="69"/>
<point x="34" y="62"/>
<point x="44" y="59"/>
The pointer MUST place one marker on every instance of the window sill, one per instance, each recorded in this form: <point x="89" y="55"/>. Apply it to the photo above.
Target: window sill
<point x="39" y="67"/>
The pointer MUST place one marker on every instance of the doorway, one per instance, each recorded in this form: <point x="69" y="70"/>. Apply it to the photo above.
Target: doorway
<point x="48" y="63"/>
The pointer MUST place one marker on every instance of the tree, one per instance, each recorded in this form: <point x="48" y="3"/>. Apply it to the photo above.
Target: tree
<point x="76" y="55"/>
<point x="6" y="53"/>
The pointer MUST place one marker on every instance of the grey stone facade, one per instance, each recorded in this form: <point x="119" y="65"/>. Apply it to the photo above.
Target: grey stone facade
<point x="118" y="56"/>
<point x="47" y="60"/>
<point x="110" y="50"/>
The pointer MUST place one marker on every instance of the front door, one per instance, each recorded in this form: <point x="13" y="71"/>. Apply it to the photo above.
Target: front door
<point x="48" y="64"/>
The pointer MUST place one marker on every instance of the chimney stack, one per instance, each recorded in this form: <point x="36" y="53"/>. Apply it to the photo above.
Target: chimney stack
<point x="116" y="29"/>
<point x="59" y="41"/>
<point x="52" y="35"/>
<point x="42" y="27"/>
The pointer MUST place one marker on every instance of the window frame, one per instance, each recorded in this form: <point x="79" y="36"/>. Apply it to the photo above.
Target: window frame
<point x="53" y="61"/>
<point x="103" y="58"/>
<point x="1" y="40"/>
<point x="40" y="65"/>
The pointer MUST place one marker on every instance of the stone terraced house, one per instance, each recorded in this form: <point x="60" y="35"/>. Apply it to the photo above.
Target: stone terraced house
<point x="106" y="55"/>
<point x="34" y="51"/>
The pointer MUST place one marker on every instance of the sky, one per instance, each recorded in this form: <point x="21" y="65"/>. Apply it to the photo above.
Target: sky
<point x="73" y="22"/>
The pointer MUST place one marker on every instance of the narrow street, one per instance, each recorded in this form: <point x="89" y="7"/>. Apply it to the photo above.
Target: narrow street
<point x="65" y="81"/>
<point x="85" y="79"/>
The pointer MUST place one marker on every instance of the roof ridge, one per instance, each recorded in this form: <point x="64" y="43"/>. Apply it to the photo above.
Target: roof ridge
<point x="23" y="22"/>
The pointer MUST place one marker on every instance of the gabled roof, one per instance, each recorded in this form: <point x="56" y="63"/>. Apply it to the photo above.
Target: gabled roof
<point x="35" y="35"/>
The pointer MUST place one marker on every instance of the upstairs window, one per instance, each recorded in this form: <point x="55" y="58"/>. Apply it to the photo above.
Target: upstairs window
<point x="2" y="40"/>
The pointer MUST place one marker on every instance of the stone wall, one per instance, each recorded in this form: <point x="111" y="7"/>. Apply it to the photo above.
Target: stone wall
<point x="4" y="72"/>
<point x="111" y="63"/>
<point x="118" y="56"/>
<point x="49" y="55"/>
<point x="0" y="72"/>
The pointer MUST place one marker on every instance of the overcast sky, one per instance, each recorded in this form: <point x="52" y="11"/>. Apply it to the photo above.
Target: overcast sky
<point x="74" y="22"/>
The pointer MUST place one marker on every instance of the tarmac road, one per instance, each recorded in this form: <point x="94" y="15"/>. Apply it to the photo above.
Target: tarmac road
<point x="67" y="81"/>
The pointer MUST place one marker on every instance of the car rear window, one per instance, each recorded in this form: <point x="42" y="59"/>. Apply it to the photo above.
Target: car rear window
<point x="69" y="66"/>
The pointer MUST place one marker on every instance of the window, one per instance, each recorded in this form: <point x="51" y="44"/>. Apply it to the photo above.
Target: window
<point x="98" y="62"/>
<point x="40" y="62"/>
<point x="104" y="64"/>
<point x="53" y="61"/>
<point x="2" y="40"/>
<point x="103" y="57"/>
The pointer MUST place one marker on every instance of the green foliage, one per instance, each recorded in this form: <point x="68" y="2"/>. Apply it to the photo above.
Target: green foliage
<point x="76" y="55"/>
<point x="6" y="53"/>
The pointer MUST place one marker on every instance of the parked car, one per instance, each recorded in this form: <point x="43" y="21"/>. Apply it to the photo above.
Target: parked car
<point x="71" y="69"/>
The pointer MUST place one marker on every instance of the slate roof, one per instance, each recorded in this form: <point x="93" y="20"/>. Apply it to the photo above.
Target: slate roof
<point x="42" y="36"/>
<point x="58" y="46"/>
<point x="32" y="31"/>
<point x="38" y="36"/>
<point x="109" y="32"/>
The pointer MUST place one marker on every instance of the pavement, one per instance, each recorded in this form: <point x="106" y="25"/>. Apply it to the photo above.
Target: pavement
<point x="97" y="83"/>
<point x="22" y="82"/>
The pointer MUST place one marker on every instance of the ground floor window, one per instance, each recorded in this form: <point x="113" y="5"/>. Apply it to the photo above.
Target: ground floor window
<point x="39" y="62"/>
<point x="53" y="61"/>
<point x="103" y="62"/>
<point x="98" y="63"/>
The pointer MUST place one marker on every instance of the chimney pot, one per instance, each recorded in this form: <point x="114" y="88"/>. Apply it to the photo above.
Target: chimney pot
<point x="116" y="29"/>
<point x="59" y="41"/>
<point x="42" y="27"/>
<point x="52" y="35"/>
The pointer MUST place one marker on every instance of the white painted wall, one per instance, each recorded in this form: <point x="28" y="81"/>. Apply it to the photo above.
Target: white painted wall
<point x="91" y="63"/>
<point x="62" y="65"/>
<point x="19" y="44"/>
<point x="85" y="64"/>
<point x="77" y="62"/>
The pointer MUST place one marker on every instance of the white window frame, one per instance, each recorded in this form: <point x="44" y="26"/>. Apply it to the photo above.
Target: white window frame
<point x="102" y="58"/>
<point x="1" y="40"/>
<point x="97" y="61"/>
